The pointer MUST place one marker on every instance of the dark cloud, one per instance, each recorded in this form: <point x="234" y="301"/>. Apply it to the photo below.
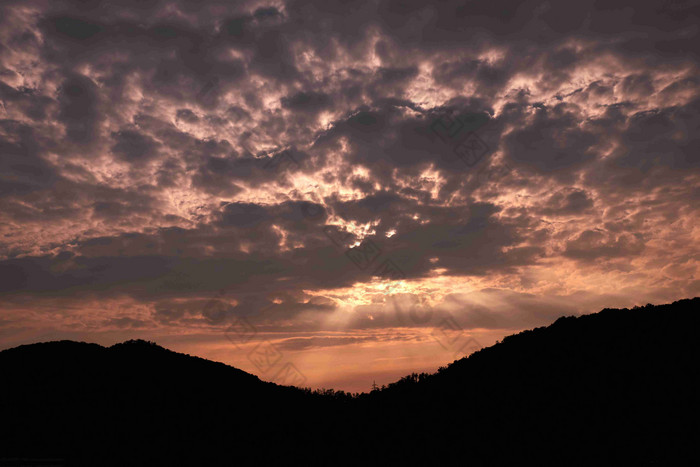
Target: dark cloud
<point x="79" y="102"/>
<point x="311" y="102"/>
<point x="552" y="142"/>
<point x="132" y="146"/>
<point x="125" y="322"/>
<point x="23" y="168"/>
<point x="593" y="244"/>
<point x="571" y="203"/>
<point x="168" y="151"/>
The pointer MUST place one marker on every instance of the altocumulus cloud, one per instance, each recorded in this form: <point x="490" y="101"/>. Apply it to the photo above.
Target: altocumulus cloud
<point x="157" y="154"/>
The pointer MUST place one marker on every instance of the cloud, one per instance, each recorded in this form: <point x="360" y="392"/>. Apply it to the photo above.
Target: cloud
<point x="170" y="154"/>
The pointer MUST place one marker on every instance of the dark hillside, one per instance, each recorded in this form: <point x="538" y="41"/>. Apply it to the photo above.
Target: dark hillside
<point x="619" y="387"/>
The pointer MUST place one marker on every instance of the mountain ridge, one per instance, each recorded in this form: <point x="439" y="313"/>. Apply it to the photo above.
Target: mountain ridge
<point x="615" y="387"/>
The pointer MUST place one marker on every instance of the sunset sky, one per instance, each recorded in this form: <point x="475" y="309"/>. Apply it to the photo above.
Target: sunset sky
<point x="194" y="173"/>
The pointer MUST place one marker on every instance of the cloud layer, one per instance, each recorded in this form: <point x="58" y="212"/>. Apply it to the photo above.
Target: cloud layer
<point x="168" y="168"/>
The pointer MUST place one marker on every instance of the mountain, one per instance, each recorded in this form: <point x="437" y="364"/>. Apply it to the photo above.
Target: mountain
<point x="618" y="387"/>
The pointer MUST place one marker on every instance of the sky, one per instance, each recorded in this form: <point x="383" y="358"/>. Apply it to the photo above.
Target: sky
<point x="335" y="193"/>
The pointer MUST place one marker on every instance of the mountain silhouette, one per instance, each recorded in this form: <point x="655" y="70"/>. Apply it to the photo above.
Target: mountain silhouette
<point x="618" y="387"/>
